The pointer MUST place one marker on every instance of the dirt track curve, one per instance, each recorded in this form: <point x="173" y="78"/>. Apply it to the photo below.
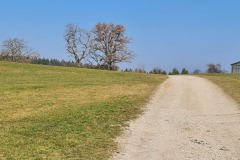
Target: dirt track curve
<point x="188" y="118"/>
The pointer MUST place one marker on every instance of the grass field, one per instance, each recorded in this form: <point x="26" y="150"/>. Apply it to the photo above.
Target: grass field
<point x="67" y="113"/>
<point x="230" y="83"/>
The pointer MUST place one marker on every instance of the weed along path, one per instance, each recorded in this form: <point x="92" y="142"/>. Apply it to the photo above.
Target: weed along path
<point x="188" y="118"/>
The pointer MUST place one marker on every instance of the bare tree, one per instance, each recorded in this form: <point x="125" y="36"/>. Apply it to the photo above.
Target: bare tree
<point x="78" y="42"/>
<point x="15" y="49"/>
<point x="28" y="55"/>
<point x="197" y="71"/>
<point x="214" y="68"/>
<point x="110" y="41"/>
<point x="96" y="57"/>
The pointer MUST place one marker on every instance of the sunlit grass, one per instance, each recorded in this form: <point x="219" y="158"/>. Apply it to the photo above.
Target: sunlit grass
<point x="67" y="113"/>
<point x="230" y="83"/>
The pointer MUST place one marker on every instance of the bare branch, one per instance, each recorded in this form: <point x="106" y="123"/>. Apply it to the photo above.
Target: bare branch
<point x="78" y="42"/>
<point x="15" y="49"/>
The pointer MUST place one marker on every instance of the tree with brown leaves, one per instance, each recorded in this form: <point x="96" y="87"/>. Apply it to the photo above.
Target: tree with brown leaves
<point x="110" y="41"/>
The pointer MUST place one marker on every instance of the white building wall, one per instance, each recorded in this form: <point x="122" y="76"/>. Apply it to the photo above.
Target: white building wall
<point x="236" y="68"/>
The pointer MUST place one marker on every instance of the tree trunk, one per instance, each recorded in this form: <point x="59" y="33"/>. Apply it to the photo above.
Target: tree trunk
<point x="77" y="63"/>
<point x="109" y="65"/>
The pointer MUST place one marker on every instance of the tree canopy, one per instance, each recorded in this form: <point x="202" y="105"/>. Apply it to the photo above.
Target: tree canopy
<point x="16" y="50"/>
<point x="105" y="44"/>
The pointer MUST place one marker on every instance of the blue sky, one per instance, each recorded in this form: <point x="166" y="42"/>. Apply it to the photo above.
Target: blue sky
<point x="166" y="34"/>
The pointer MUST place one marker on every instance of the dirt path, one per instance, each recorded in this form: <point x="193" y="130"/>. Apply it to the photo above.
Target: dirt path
<point x="188" y="118"/>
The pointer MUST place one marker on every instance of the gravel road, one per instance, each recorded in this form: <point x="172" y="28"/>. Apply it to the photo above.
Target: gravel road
<point x="188" y="118"/>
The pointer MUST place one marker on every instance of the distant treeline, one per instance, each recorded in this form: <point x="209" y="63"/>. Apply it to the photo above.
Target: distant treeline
<point x="51" y="62"/>
<point x="142" y="70"/>
<point x="56" y="62"/>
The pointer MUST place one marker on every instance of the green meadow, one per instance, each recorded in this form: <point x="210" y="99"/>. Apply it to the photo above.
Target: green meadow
<point x="67" y="113"/>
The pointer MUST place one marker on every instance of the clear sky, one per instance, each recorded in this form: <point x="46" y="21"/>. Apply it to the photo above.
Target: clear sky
<point x="165" y="33"/>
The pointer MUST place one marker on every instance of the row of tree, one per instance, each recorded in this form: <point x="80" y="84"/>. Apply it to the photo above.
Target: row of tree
<point x="211" y="68"/>
<point x="142" y="70"/>
<point x="104" y="45"/>
<point x="157" y="70"/>
<point x="101" y="48"/>
<point x="17" y="50"/>
<point x="56" y="62"/>
<point x="176" y="72"/>
<point x="53" y="62"/>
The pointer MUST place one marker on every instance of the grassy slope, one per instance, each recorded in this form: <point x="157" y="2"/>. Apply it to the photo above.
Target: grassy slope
<point x="66" y="113"/>
<point x="230" y="83"/>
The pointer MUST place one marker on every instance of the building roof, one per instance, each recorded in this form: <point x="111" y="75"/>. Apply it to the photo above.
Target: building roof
<point x="236" y="63"/>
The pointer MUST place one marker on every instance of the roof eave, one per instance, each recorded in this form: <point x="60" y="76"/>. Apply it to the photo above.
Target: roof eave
<point x="235" y="63"/>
